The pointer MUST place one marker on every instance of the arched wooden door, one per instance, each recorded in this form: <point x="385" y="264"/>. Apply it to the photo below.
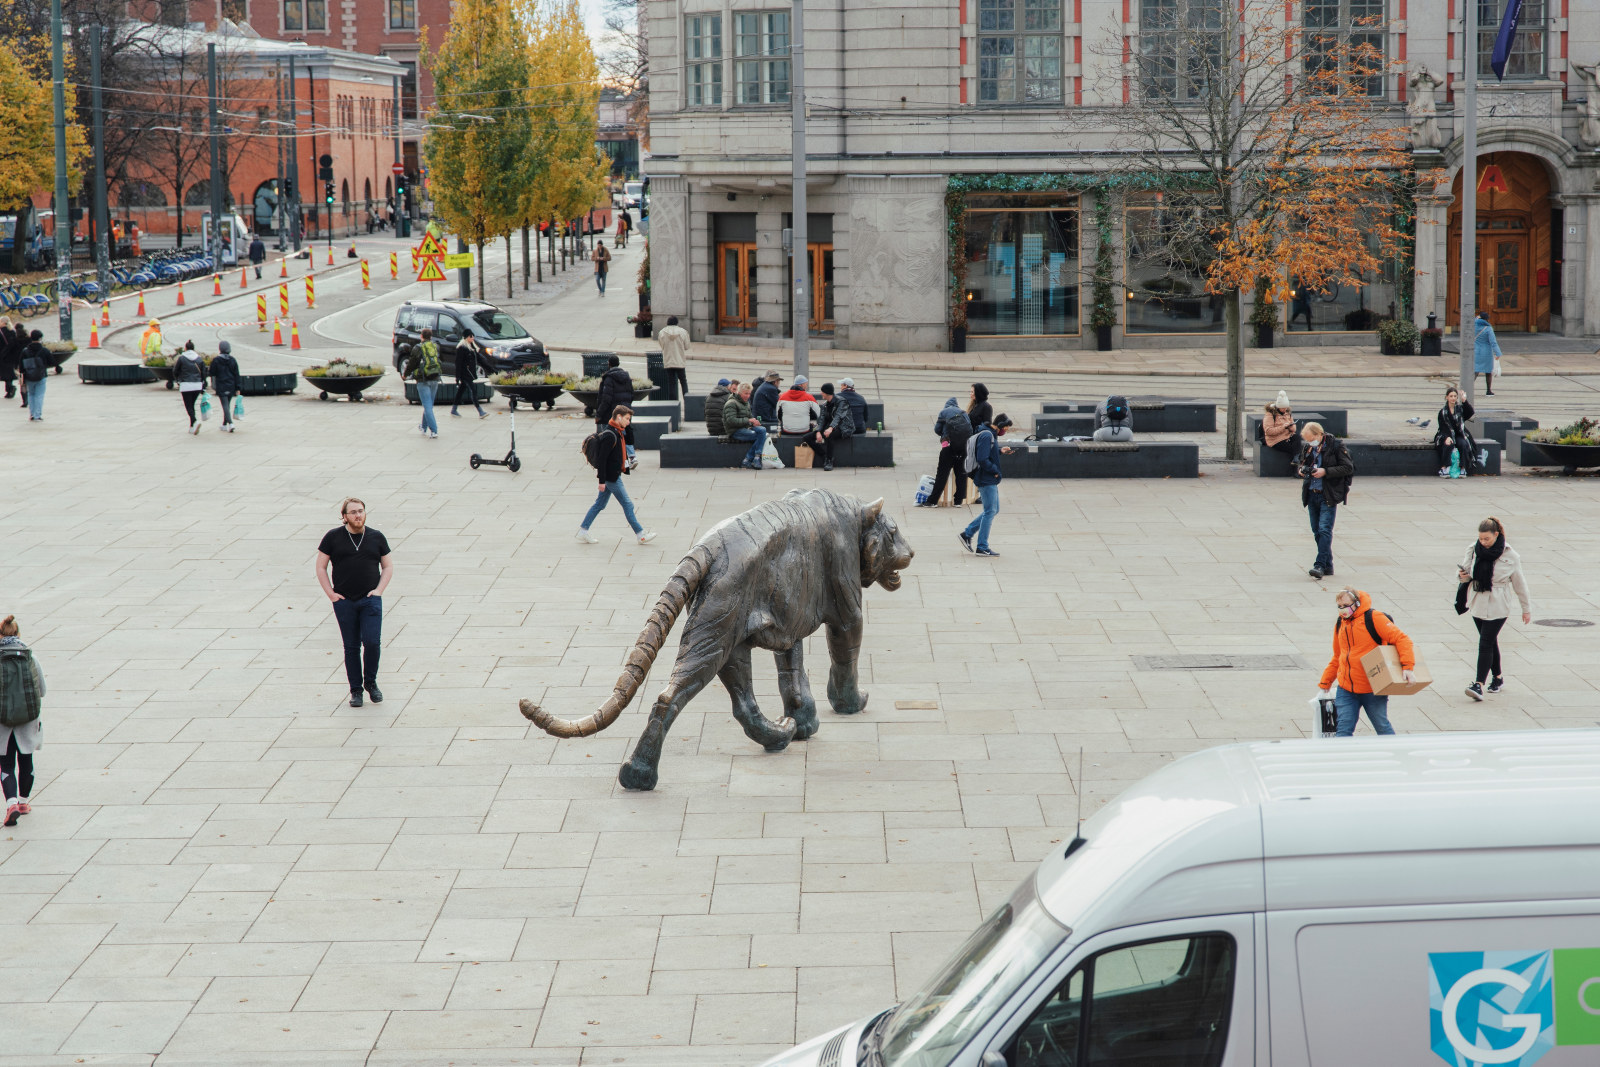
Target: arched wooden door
<point x="1512" y="242"/>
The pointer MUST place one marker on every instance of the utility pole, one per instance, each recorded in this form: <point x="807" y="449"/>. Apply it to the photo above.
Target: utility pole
<point x="800" y="253"/>
<point x="102" y="224"/>
<point x="1469" y="197"/>
<point x="278" y="140"/>
<point x="216" y="172"/>
<point x="63" y="218"/>
<point x="293" y="158"/>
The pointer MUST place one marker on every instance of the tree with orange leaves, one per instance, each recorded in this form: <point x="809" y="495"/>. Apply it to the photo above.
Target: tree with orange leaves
<point x="1265" y="153"/>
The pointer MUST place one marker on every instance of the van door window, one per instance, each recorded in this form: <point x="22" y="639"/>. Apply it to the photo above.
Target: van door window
<point x="449" y="327"/>
<point x="1156" y="1004"/>
<point x="402" y="320"/>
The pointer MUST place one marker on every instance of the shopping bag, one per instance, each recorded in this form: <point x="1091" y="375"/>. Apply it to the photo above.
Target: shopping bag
<point x="205" y="407"/>
<point x="1497" y="369"/>
<point x="769" y="457"/>
<point x="924" y="488"/>
<point x="1324" y="719"/>
<point x="238" y="407"/>
<point x="803" y="457"/>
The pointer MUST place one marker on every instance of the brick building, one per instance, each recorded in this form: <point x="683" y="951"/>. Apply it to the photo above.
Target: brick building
<point x="911" y="100"/>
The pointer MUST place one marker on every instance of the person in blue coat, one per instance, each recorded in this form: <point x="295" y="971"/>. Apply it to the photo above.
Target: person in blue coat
<point x="1485" y="350"/>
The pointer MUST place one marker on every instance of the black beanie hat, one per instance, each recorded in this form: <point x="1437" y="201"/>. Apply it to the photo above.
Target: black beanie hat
<point x="980" y="391"/>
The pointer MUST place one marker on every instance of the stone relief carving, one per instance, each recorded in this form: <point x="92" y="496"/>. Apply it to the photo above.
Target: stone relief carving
<point x="1524" y="104"/>
<point x="1589" y="117"/>
<point x="1423" y="109"/>
<point x="895" y="260"/>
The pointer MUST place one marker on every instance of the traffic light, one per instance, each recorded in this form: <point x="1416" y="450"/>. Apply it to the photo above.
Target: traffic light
<point x="288" y="189"/>
<point x="400" y="189"/>
<point x="325" y="167"/>
<point x="327" y="194"/>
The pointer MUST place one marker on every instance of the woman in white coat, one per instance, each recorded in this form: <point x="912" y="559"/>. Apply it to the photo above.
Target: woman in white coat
<point x="1491" y="572"/>
<point x="18" y="743"/>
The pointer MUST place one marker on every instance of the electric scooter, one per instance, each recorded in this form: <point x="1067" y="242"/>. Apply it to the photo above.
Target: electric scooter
<point x="511" y="459"/>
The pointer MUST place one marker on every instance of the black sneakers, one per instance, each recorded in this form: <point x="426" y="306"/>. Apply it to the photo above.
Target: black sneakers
<point x="1496" y="685"/>
<point x="966" y="541"/>
<point x="375" y="693"/>
<point x="355" y="699"/>
<point x="1475" y="691"/>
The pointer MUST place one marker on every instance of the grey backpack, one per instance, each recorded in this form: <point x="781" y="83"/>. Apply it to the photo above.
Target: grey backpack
<point x="971" y="463"/>
<point x="19" y="687"/>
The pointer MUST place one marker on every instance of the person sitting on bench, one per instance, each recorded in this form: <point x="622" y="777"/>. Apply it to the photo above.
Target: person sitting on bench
<point x="798" y="410"/>
<point x="1278" y="431"/>
<point x="1113" y="420"/>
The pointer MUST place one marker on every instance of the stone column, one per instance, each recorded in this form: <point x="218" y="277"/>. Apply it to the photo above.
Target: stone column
<point x="1430" y="260"/>
<point x="670" y="252"/>
<point x="1590" y="248"/>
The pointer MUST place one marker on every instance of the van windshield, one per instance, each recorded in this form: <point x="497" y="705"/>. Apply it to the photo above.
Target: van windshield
<point x="496" y="325"/>
<point x="930" y="1028"/>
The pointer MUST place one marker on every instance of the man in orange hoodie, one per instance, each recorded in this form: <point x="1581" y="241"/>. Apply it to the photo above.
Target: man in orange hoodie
<point x="1359" y="630"/>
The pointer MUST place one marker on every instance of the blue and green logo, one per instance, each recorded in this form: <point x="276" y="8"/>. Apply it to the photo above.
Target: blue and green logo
<point x="1510" y="1008"/>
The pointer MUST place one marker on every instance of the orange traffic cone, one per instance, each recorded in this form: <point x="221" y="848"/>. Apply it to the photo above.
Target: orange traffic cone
<point x="244" y="283"/>
<point x="352" y="254"/>
<point x="284" y="265"/>
<point x="105" y="313"/>
<point x="181" y="300"/>
<point x="294" y="336"/>
<point x="141" y="304"/>
<point x="94" y="334"/>
<point x="277" y="332"/>
<point x="330" y="255"/>
<point x="216" y="285"/>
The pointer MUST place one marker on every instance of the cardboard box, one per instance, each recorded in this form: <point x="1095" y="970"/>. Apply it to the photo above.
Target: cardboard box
<point x="1382" y="666"/>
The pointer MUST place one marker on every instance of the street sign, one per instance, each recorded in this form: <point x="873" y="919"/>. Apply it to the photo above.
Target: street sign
<point x="430" y="271"/>
<point x="399" y="169"/>
<point x="430" y="246"/>
<point x="458" y="261"/>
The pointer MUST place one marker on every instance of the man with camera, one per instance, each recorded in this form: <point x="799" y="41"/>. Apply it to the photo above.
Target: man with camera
<point x="1326" y="470"/>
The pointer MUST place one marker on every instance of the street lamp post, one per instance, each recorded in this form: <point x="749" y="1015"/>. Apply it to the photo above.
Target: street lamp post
<point x="63" y="211"/>
<point x="102" y="224"/>
<point x="1469" y="199"/>
<point x="800" y="251"/>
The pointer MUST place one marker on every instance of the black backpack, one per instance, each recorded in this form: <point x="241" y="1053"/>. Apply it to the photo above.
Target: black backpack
<point x="591" y="446"/>
<point x="957" y="426"/>
<point x="1371" y="627"/>
<point x="19" y="687"/>
<point x="1117" y="409"/>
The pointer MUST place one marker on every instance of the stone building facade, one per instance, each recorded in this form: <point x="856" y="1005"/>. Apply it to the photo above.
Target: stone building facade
<point x="907" y="99"/>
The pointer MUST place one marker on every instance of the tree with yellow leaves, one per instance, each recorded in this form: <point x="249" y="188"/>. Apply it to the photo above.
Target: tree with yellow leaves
<point x="27" y="140"/>
<point x="477" y="149"/>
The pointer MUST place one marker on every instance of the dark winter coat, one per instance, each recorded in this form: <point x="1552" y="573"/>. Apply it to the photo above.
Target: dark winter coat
<point x="858" y="408"/>
<point x="1454" y="426"/>
<point x="224" y="374"/>
<point x="612" y="453"/>
<point x="468" y="359"/>
<point x="714" y="405"/>
<point x="1338" y="469"/>
<point x="953" y="425"/>
<point x="616" y="387"/>
<point x="258" y="251"/>
<point x="764" y="402"/>
<point x="837" y="416"/>
<point x="987" y="452"/>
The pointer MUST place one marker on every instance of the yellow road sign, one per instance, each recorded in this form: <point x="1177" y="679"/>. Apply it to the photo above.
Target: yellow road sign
<point x="458" y="261"/>
<point x="430" y="246"/>
<point x="430" y="271"/>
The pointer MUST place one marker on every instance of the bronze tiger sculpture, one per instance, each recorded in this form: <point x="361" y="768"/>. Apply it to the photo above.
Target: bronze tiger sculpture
<point x="768" y="578"/>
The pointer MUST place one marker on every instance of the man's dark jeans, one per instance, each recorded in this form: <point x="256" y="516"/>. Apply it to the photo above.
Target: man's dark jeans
<point x="1322" y="515"/>
<point x="361" y="626"/>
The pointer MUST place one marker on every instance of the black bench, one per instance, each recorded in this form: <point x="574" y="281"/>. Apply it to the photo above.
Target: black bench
<point x="694" y="410"/>
<point x="1101" y="459"/>
<point x="699" y="450"/>
<point x="1409" y="457"/>
<point x="1151" y="414"/>
<point x="1063" y="425"/>
<point x="1494" y="424"/>
<point x="1253" y="422"/>
<point x="648" y="433"/>
<point x="657" y="409"/>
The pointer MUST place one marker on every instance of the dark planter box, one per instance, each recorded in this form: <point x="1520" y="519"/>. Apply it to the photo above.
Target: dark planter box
<point x="532" y="395"/>
<point x="446" y="393"/>
<point x="114" y="374"/>
<point x="641" y="329"/>
<point x="958" y="338"/>
<point x="1264" y="336"/>
<point x="1102" y="338"/>
<point x="267" y="384"/>
<point x="1387" y="349"/>
<point x="1141" y="459"/>
<point x="1432" y="344"/>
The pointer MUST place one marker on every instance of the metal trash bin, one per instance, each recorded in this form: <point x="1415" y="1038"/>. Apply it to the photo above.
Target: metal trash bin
<point x="666" y="388"/>
<point x="596" y="363"/>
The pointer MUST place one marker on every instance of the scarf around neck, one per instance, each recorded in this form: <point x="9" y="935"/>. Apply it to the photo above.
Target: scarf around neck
<point x="1483" y="561"/>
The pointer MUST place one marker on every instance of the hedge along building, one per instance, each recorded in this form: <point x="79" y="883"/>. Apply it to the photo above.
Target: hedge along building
<point x="939" y="127"/>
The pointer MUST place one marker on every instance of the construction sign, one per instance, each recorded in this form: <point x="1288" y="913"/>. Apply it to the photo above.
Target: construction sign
<point x="430" y="271"/>
<point x="430" y="246"/>
<point x="458" y="261"/>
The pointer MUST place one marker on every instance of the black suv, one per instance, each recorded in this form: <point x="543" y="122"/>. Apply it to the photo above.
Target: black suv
<point x="509" y="345"/>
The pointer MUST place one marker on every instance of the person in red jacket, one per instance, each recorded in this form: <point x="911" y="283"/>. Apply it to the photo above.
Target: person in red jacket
<point x="1359" y="630"/>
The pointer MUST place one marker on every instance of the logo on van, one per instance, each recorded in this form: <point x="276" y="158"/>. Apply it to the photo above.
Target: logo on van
<point x="1510" y="1008"/>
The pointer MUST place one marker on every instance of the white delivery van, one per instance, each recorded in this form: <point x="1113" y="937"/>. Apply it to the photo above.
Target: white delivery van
<point x="1376" y="902"/>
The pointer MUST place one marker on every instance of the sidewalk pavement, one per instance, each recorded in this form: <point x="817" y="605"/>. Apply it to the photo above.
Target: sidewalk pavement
<point x="579" y="320"/>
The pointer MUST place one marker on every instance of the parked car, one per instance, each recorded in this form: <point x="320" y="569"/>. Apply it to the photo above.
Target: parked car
<point x="509" y="345"/>
<point x="1304" y="902"/>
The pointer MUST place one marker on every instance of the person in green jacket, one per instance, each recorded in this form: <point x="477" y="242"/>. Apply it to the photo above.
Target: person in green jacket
<point x="740" y="425"/>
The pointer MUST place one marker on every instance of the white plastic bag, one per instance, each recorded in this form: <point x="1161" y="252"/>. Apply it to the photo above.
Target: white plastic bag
<point x="1324" y="717"/>
<point x="924" y="489"/>
<point x="769" y="457"/>
<point x="1497" y="369"/>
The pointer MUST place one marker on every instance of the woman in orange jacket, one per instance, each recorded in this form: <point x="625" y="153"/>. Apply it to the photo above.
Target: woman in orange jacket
<point x="1359" y="630"/>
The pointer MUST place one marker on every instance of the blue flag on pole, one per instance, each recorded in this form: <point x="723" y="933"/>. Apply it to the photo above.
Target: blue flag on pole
<point x="1502" y="40"/>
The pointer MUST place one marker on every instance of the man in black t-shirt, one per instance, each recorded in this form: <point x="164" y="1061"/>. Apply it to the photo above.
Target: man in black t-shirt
<point x="361" y="571"/>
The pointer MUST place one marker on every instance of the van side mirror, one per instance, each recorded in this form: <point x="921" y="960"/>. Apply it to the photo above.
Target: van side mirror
<point x="993" y="1059"/>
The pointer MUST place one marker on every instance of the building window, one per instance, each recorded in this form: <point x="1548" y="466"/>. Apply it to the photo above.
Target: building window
<point x="761" y="51"/>
<point x="305" y="14"/>
<point x="408" y="89"/>
<point x="235" y="11"/>
<point x="703" y="36"/>
<point x="1180" y="47"/>
<point x="1337" y="29"/>
<point x="1528" y="47"/>
<point x="1168" y="247"/>
<point x="402" y="14"/>
<point x="1019" y="51"/>
<point x="1022" y="265"/>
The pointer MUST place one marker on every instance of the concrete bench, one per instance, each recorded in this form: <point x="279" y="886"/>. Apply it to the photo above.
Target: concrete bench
<point x="699" y="450"/>
<point x="1408" y="457"/>
<point x="1095" y="459"/>
<point x="1525" y="453"/>
<point x="694" y="410"/>
<point x="1252" y="422"/>
<point x="1063" y="425"/>
<point x="657" y="409"/>
<point x="648" y="433"/>
<point x="1494" y="424"/>
<point x="1151" y="414"/>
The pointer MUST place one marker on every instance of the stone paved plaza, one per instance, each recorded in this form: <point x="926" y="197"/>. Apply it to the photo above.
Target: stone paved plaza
<point x="229" y="865"/>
